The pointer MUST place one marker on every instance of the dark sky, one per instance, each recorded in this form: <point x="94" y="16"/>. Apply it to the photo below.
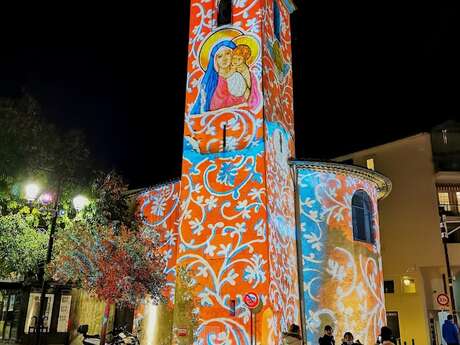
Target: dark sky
<point x="363" y="75"/>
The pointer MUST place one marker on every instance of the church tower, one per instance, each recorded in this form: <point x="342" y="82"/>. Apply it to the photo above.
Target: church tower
<point x="245" y="218"/>
<point x="236" y="228"/>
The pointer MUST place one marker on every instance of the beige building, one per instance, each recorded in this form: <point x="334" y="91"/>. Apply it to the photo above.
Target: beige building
<point x="425" y="173"/>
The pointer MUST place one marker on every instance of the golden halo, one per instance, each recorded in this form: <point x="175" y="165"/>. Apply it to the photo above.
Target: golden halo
<point x="211" y="41"/>
<point x="252" y="43"/>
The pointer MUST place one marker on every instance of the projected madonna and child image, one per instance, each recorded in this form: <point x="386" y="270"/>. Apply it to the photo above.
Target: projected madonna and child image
<point x="228" y="58"/>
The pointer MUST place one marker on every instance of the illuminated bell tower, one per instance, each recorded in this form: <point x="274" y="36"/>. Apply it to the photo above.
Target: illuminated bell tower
<point x="236" y="230"/>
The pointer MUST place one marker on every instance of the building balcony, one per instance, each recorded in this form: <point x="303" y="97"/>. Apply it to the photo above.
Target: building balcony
<point x="452" y="213"/>
<point x="450" y="210"/>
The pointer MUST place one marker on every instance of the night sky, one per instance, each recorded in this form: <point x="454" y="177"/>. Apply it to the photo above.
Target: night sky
<point x="363" y="75"/>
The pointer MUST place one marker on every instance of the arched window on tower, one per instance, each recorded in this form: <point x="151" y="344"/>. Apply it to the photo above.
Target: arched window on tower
<point x="224" y="12"/>
<point x="276" y="20"/>
<point x="362" y="217"/>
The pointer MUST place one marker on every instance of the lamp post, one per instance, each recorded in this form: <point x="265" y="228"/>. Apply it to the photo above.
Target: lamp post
<point x="32" y="191"/>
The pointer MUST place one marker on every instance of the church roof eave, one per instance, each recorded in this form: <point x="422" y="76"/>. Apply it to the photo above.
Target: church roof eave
<point x="382" y="182"/>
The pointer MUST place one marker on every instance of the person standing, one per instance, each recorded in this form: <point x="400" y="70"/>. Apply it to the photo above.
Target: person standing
<point x="292" y="337"/>
<point x="327" y="338"/>
<point x="386" y="336"/>
<point x="348" y="339"/>
<point x="450" y="331"/>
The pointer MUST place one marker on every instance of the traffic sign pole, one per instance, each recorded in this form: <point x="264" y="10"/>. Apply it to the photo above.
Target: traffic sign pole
<point x="252" y="333"/>
<point x="253" y="303"/>
<point x="255" y="329"/>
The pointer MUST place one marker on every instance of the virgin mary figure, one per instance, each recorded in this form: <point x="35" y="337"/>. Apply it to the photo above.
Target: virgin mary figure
<point x="214" y="89"/>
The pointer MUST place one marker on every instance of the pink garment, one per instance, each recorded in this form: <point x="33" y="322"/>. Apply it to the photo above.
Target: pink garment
<point x="222" y="98"/>
<point x="254" y="97"/>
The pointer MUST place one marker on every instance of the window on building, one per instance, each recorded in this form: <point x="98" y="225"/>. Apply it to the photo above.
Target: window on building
<point x="224" y="138"/>
<point x="224" y="12"/>
<point x="408" y="285"/>
<point x="281" y="142"/>
<point x="276" y="20"/>
<point x="389" y="286"/>
<point x="393" y="323"/>
<point x="457" y="194"/>
<point x="444" y="136"/>
<point x="443" y="198"/>
<point x="363" y="227"/>
<point x="370" y="164"/>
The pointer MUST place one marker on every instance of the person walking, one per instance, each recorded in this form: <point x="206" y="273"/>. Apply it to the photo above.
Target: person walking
<point x="292" y="336"/>
<point x="327" y="338"/>
<point x="348" y="339"/>
<point x="450" y="331"/>
<point x="386" y="336"/>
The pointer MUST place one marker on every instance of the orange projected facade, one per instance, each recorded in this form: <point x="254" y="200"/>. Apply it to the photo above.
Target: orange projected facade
<point x="230" y="225"/>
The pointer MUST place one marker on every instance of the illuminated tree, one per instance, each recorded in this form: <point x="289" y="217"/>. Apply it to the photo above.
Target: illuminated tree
<point x="22" y="247"/>
<point x="108" y="254"/>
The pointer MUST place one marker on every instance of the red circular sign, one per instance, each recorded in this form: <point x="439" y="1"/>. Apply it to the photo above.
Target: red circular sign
<point x="443" y="299"/>
<point x="251" y="299"/>
<point x="182" y="332"/>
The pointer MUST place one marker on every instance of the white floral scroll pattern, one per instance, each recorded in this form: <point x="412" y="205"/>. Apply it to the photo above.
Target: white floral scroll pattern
<point x="342" y="278"/>
<point x="284" y="292"/>
<point x="222" y="224"/>
<point x="278" y="91"/>
<point x="204" y="132"/>
<point x="157" y="209"/>
<point x="279" y="141"/>
<point x="230" y="235"/>
<point x="222" y="233"/>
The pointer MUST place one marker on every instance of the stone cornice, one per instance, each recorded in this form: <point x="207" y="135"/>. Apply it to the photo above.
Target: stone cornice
<point x="382" y="182"/>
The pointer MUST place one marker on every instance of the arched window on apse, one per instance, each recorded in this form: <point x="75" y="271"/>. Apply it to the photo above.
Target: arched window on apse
<point x="362" y="217"/>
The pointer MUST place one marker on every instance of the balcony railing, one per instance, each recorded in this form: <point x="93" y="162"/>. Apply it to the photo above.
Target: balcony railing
<point x="452" y="210"/>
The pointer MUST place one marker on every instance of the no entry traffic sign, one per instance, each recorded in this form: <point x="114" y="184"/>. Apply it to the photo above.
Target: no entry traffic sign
<point x="442" y="299"/>
<point x="251" y="299"/>
<point x="182" y="332"/>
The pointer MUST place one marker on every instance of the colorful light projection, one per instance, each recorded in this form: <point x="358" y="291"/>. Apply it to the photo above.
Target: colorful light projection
<point x="343" y="279"/>
<point x="229" y="225"/>
<point x="228" y="58"/>
<point x="237" y="225"/>
<point x="158" y="210"/>
<point x="279" y="148"/>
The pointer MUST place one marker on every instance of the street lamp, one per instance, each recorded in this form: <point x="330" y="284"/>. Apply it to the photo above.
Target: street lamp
<point x="32" y="192"/>
<point x="46" y="198"/>
<point x="80" y="202"/>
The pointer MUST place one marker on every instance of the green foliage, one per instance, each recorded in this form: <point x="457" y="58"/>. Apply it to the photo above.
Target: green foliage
<point x="109" y="206"/>
<point x="24" y="233"/>
<point x="30" y="146"/>
<point x="33" y="150"/>
<point x="20" y="128"/>
<point x="22" y="247"/>
<point x="102" y="248"/>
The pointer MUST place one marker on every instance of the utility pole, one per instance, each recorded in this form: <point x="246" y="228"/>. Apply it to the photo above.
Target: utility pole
<point x="44" y="288"/>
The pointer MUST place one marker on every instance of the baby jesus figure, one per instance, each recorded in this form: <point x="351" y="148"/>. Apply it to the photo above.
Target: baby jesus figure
<point x="239" y="81"/>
